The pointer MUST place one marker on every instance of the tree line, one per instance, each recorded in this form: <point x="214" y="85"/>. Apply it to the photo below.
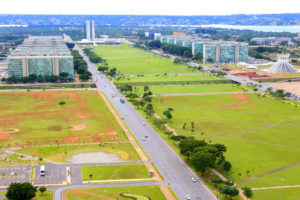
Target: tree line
<point x="32" y="78"/>
<point x="80" y="66"/>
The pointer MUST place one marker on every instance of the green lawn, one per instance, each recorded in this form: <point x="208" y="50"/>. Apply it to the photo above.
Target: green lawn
<point x="36" y="118"/>
<point x="129" y="60"/>
<point x="190" y="89"/>
<point x="277" y="194"/>
<point x="288" y="176"/>
<point x="170" y="80"/>
<point x="152" y="192"/>
<point x="62" y="153"/>
<point x="258" y="132"/>
<point x="111" y="172"/>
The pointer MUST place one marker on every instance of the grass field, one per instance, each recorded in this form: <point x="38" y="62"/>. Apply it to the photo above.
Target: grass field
<point x="277" y="194"/>
<point x="258" y="131"/>
<point x="180" y="89"/>
<point x="129" y="60"/>
<point x="141" y="193"/>
<point x="61" y="153"/>
<point x="170" y="80"/>
<point x="37" y="118"/>
<point x="111" y="172"/>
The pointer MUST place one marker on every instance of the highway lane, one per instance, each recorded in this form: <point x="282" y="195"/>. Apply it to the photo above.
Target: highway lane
<point x="170" y="165"/>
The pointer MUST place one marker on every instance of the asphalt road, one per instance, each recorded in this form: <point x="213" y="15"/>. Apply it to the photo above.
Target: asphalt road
<point x="173" y="169"/>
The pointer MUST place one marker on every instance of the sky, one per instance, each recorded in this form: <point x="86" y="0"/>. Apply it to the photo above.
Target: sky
<point x="149" y="7"/>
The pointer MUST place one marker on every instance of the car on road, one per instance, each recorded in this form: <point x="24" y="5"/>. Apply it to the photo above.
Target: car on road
<point x="194" y="180"/>
<point x="187" y="197"/>
<point x="144" y="123"/>
<point x="42" y="170"/>
<point x="12" y="174"/>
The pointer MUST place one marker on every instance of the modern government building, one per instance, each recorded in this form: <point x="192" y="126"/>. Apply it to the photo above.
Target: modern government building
<point x="215" y="50"/>
<point x="42" y="56"/>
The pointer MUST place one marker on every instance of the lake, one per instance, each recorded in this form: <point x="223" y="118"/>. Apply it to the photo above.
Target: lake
<point x="292" y="29"/>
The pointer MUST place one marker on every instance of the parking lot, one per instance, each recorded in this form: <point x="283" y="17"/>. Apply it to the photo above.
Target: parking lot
<point x="54" y="174"/>
<point x="11" y="174"/>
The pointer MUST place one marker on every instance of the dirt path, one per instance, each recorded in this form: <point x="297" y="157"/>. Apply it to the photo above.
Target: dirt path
<point x="267" y="173"/>
<point x="223" y="178"/>
<point x="166" y="125"/>
<point x="168" y="194"/>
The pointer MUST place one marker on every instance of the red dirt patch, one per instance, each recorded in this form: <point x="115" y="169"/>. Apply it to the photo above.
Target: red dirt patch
<point x="167" y="101"/>
<point x="112" y="135"/>
<point x="72" y="139"/>
<point x="78" y="127"/>
<point x="235" y="105"/>
<point x="241" y="96"/>
<point x="50" y="96"/>
<point x="5" y="136"/>
<point x="81" y="116"/>
<point x="98" y="137"/>
<point x="54" y="128"/>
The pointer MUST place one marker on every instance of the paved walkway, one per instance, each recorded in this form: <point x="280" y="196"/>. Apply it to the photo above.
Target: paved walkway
<point x="200" y="93"/>
<point x="276" y="187"/>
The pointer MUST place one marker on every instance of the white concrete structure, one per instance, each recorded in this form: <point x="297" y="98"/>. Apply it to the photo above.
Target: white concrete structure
<point x="282" y="65"/>
<point x="90" y="30"/>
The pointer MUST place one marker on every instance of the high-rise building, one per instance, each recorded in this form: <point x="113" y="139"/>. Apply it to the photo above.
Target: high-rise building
<point x="211" y="50"/>
<point x="42" y="56"/>
<point x="93" y="30"/>
<point x="90" y="30"/>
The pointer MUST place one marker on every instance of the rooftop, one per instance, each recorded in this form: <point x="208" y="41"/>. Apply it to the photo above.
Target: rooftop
<point x="42" y="46"/>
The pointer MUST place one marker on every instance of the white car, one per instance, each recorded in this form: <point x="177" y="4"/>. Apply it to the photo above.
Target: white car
<point x="194" y="180"/>
<point x="188" y="197"/>
<point x="12" y="174"/>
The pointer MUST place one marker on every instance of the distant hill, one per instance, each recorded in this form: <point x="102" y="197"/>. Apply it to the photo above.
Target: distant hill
<point x="261" y="19"/>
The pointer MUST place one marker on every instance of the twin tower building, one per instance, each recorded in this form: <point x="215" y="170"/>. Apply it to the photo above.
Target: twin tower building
<point x="90" y="30"/>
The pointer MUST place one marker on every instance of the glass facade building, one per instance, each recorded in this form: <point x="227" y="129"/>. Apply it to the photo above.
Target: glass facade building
<point x="42" y="56"/>
<point x="215" y="50"/>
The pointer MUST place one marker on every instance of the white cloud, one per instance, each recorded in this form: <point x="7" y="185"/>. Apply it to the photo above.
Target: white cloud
<point x="158" y="7"/>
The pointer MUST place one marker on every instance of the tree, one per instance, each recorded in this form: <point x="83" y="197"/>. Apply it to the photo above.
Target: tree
<point x="227" y="166"/>
<point x="229" y="190"/>
<point x="167" y="114"/>
<point x="146" y="88"/>
<point x="42" y="189"/>
<point x="216" y="180"/>
<point x="21" y="191"/>
<point x="61" y="103"/>
<point x="188" y="145"/>
<point x="247" y="192"/>
<point x="210" y="60"/>
<point x="202" y="161"/>
<point x="84" y="77"/>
